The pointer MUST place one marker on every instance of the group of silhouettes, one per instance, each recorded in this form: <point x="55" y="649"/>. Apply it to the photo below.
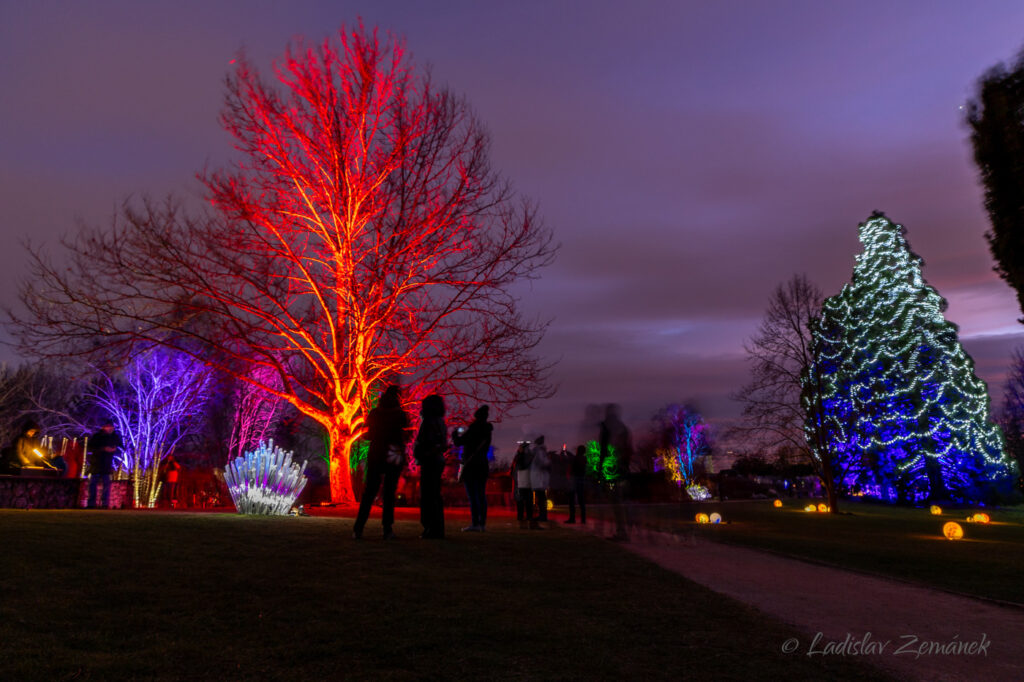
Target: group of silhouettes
<point x="531" y="478"/>
<point x="388" y="432"/>
<point x="387" y="427"/>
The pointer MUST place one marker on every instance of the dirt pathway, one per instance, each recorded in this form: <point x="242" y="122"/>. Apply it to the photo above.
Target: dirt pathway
<point x="915" y="632"/>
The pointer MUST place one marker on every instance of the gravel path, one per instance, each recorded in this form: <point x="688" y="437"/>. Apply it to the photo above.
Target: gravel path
<point x="914" y="632"/>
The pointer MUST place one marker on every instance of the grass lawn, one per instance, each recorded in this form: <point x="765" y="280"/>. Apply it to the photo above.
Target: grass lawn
<point x="901" y="542"/>
<point x="136" y="595"/>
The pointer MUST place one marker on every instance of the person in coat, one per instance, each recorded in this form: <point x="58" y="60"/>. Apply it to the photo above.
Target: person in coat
<point x="540" y="478"/>
<point x="387" y="429"/>
<point x="429" y="449"/>
<point x="476" y="444"/>
<point x="523" y="492"/>
<point x="170" y="470"/>
<point x="103" y="447"/>
<point x="616" y="445"/>
<point x="29" y="449"/>
<point x="577" y="484"/>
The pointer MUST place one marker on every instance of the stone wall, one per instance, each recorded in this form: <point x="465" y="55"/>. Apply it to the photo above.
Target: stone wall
<point x="27" y="492"/>
<point x="120" y="494"/>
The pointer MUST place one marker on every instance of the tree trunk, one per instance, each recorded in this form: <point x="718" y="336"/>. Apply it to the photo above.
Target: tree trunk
<point x="833" y="498"/>
<point x="937" y="491"/>
<point x="342" y="491"/>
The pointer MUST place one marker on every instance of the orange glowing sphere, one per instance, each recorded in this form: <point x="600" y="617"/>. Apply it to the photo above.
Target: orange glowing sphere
<point x="702" y="518"/>
<point x="980" y="517"/>
<point x="935" y="509"/>
<point x="810" y="508"/>
<point x="777" y="503"/>
<point x="823" y="507"/>
<point x="953" y="531"/>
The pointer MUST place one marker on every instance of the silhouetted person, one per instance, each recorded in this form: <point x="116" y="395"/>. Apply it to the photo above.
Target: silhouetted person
<point x="170" y="471"/>
<point x="387" y="428"/>
<point x="616" y="451"/>
<point x="521" y="479"/>
<point x="103" y="447"/>
<point x="577" y="484"/>
<point x="540" y="478"/>
<point x="476" y="442"/>
<point x="431" y="444"/>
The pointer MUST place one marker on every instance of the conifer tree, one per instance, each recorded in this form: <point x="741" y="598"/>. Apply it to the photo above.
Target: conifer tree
<point x="905" y="416"/>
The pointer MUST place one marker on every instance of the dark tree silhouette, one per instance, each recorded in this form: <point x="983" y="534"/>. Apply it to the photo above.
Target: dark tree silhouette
<point x="996" y="118"/>
<point x="780" y="354"/>
<point x="1012" y="417"/>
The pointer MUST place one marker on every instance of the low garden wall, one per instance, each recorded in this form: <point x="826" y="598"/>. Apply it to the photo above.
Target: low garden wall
<point x="30" y="492"/>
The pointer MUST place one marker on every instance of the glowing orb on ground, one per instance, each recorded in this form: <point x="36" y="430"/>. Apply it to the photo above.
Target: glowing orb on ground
<point x="702" y="518"/>
<point x="810" y="508"/>
<point x="715" y="518"/>
<point x="953" y="531"/>
<point x="935" y="509"/>
<point x="980" y="517"/>
<point x="777" y="503"/>
<point x="823" y="507"/>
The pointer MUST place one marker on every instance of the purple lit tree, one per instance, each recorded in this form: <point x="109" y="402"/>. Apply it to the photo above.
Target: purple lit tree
<point x="684" y="440"/>
<point x="155" y="402"/>
<point x="254" y="412"/>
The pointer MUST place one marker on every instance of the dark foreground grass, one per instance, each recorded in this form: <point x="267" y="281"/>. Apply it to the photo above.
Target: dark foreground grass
<point x="100" y="596"/>
<point x="901" y="542"/>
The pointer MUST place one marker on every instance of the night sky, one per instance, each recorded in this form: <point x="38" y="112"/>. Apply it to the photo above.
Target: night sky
<point x="689" y="155"/>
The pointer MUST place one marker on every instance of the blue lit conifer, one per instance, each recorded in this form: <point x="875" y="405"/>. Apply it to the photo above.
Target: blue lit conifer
<point x="905" y="416"/>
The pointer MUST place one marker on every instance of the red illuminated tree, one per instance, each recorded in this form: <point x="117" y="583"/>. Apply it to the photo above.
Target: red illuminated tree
<point x="360" y="238"/>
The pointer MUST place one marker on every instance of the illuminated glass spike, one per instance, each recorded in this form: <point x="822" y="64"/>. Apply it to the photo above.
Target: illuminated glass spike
<point x="265" y="481"/>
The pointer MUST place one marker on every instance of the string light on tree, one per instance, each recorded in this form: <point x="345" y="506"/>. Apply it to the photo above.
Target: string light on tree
<point x="904" y="411"/>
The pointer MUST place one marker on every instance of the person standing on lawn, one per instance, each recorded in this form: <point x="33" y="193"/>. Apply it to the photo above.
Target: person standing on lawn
<point x="476" y="443"/>
<point x="616" y="445"/>
<point x="520" y="473"/>
<point x="387" y="429"/>
<point x="103" y="447"/>
<point x="170" y="470"/>
<point x="540" y="479"/>
<point x="431" y="444"/>
<point x="577" y="484"/>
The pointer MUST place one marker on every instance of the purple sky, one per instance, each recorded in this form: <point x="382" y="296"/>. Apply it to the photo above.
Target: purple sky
<point x="689" y="156"/>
